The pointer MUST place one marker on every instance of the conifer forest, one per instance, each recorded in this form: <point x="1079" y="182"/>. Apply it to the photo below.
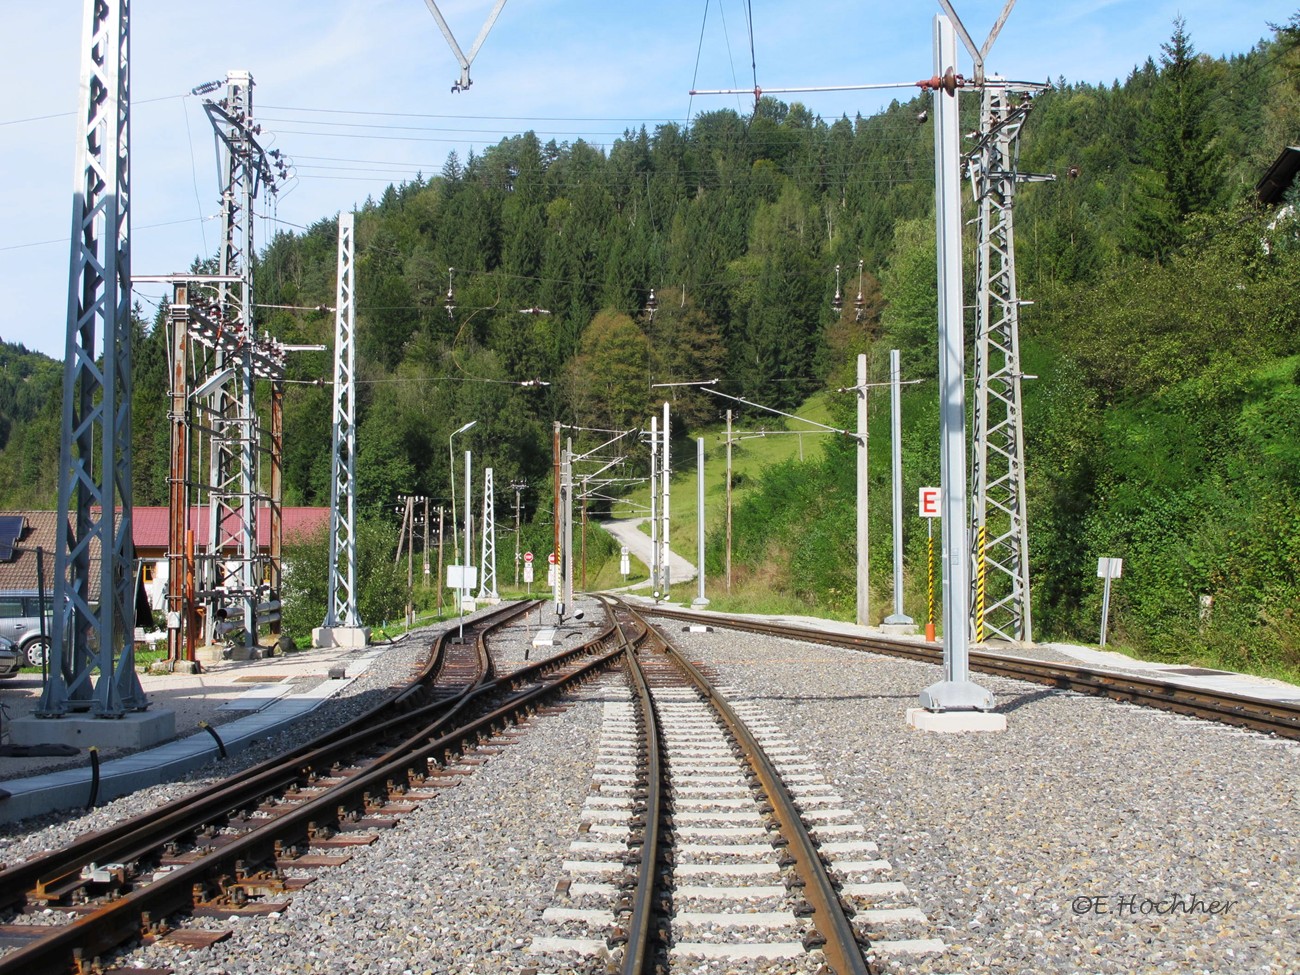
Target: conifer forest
<point x="1162" y="422"/>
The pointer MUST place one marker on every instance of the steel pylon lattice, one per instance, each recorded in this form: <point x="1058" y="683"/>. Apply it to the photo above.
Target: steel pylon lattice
<point x="94" y="604"/>
<point x="233" y="474"/>
<point x="488" y="551"/>
<point x="342" y="606"/>
<point x="1000" y="604"/>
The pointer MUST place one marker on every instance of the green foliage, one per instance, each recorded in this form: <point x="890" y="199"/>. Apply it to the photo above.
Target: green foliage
<point x="381" y="585"/>
<point x="1162" y="427"/>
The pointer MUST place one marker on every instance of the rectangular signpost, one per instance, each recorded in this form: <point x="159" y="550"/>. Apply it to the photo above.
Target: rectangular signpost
<point x="1107" y="569"/>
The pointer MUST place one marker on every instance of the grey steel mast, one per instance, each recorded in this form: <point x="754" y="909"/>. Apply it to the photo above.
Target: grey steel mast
<point x="1000" y="606"/>
<point x="95" y="603"/>
<point x="488" y="557"/>
<point x="245" y="168"/>
<point x="342" y="606"/>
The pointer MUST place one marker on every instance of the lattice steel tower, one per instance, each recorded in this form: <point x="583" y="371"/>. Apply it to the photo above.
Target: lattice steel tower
<point x="233" y="477"/>
<point x="342" y="607"/>
<point x="488" y="553"/>
<point x="1000" y="604"/>
<point x="94" y="587"/>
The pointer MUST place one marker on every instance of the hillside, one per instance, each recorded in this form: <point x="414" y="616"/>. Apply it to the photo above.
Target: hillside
<point x="1161" y="427"/>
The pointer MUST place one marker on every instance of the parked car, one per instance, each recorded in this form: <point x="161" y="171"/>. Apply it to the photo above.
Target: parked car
<point x="20" y="624"/>
<point x="10" y="662"/>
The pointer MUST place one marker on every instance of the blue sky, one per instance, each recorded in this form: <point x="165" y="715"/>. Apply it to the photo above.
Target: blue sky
<point x="326" y="71"/>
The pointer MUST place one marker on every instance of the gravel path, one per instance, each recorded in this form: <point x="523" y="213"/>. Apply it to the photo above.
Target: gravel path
<point x="1055" y="846"/>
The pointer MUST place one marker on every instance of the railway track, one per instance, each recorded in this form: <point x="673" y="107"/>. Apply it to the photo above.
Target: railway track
<point x="1274" y="718"/>
<point x="227" y="850"/>
<point x="710" y="838"/>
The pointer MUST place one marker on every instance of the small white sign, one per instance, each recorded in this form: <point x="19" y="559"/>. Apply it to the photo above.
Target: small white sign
<point x="462" y="577"/>
<point x="1110" y="568"/>
<point x="929" y="502"/>
<point x="528" y="573"/>
<point x="550" y="575"/>
<point x="624" y="563"/>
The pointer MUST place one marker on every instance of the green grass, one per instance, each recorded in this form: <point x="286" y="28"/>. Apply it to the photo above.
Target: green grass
<point x="749" y="456"/>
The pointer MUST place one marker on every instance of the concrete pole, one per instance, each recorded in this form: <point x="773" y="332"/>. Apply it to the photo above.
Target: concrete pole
<point x="555" y="522"/>
<point x="864" y="573"/>
<point x="440" y="538"/>
<point x="410" y="560"/>
<point x="425" y="554"/>
<point x="516" y="536"/>
<point x="567" y="558"/>
<point x="728" y="502"/>
<point x="700" y="599"/>
<point x="469" y="532"/>
<point x="654" y="505"/>
<point x="899" y="618"/>
<point x="956" y="692"/>
<point x="666" y="474"/>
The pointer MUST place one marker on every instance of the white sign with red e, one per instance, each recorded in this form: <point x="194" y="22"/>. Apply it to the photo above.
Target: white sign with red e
<point x="930" y="502"/>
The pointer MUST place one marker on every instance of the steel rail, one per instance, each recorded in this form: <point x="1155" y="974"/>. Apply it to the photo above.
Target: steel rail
<point x="637" y="954"/>
<point x="227" y="868"/>
<point x="843" y="951"/>
<point x="1271" y="717"/>
<point x="134" y="839"/>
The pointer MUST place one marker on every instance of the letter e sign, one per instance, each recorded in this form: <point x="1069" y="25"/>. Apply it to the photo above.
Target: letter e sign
<point x="930" y="502"/>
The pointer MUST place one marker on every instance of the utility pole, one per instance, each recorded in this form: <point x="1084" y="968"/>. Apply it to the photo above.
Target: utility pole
<point x="956" y="692"/>
<point x="96" y="419"/>
<point x="440" y="540"/>
<point x="517" y="488"/>
<point x="555" y="523"/>
<point x="465" y="585"/>
<point x="700" y="599"/>
<point x="728" y="502"/>
<point x="425" y="550"/>
<point x="898" y="618"/>
<point x="655" y="574"/>
<point x="666" y="474"/>
<point x="864" y="570"/>
<point x="410" y="561"/>
<point x="566" y="559"/>
<point x="584" y="534"/>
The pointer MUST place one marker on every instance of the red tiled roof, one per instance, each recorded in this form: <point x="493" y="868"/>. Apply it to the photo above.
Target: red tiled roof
<point x="149" y="529"/>
<point x="150" y="525"/>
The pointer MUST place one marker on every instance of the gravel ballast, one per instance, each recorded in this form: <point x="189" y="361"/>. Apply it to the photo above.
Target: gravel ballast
<point x="1089" y="837"/>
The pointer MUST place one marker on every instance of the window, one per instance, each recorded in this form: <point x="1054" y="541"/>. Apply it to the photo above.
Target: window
<point x="11" y="609"/>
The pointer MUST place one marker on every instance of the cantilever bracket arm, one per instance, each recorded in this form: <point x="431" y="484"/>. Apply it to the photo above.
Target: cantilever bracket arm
<point x="464" y="61"/>
<point x="978" y="54"/>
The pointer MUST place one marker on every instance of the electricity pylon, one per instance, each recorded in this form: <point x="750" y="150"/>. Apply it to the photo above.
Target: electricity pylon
<point x="488" y="554"/>
<point x="246" y="168"/>
<point x="94" y="604"/>
<point x="342" y="606"/>
<point x="1000" y="604"/>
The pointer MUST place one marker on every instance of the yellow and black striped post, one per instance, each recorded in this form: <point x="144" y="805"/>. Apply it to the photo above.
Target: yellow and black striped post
<point x="929" y="584"/>
<point x="981" y="577"/>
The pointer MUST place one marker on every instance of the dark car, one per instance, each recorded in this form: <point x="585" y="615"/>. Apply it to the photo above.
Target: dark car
<point x="20" y="624"/>
<point x="10" y="662"/>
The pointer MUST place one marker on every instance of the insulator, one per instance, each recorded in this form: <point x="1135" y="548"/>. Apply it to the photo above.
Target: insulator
<point x="859" y="307"/>
<point x="450" y="303"/>
<point x="651" y="304"/>
<point x="837" y="302"/>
